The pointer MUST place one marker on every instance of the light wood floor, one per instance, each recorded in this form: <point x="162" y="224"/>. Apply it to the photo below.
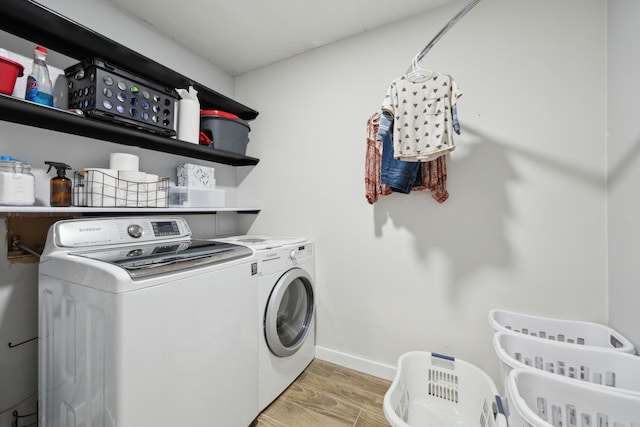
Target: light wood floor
<point x="328" y="395"/>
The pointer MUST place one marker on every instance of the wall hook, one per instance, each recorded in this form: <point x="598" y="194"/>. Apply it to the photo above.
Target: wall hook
<point x="12" y="345"/>
<point x="17" y="417"/>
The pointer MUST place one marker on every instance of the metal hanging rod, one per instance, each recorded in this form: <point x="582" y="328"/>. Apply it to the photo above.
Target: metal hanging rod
<point x="16" y="243"/>
<point x="446" y="28"/>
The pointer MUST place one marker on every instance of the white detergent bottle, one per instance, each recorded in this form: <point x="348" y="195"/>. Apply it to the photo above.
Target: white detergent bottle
<point x="39" y="87"/>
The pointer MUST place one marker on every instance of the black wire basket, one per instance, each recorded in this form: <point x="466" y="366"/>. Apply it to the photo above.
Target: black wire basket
<point x="94" y="188"/>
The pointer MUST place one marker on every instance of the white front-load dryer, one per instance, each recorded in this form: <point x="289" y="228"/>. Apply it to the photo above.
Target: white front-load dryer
<point x="286" y="303"/>
<point x="286" y="310"/>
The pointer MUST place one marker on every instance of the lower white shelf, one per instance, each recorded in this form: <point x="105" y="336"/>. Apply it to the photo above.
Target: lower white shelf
<point x="123" y="210"/>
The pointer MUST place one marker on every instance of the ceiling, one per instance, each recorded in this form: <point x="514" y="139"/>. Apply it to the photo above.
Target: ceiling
<point x="242" y="35"/>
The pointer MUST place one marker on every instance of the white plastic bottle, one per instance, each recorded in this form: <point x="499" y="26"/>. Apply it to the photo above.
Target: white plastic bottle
<point x="39" y="87"/>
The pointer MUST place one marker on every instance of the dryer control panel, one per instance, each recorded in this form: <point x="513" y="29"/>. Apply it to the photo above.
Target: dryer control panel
<point x="301" y="252"/>
<point x="106" y="231"/>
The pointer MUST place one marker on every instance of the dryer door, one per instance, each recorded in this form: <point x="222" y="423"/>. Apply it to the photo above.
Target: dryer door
<point x="289" y="313"/>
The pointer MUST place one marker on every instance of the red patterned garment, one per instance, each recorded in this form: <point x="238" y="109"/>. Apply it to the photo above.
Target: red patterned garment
<point x="373" y="160"/>
<point x="434" y="178"/>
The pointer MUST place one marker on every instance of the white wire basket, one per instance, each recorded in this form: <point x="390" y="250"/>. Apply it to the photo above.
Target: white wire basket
<point x="568" y="331"/>
<point x="432" y="390"/>
<point x="590" y="364"/>
<point x="540" y="399"/>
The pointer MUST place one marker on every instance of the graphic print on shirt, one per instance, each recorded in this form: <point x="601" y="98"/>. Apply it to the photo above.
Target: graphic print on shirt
<point x="423" y="125"/>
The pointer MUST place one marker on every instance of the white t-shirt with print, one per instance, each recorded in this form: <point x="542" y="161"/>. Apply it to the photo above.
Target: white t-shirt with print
<point x="421" y="108"/>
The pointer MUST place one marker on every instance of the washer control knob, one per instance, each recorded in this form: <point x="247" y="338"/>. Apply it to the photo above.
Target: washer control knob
<point x="293" y="254"/>
<point x="135" y="230"/>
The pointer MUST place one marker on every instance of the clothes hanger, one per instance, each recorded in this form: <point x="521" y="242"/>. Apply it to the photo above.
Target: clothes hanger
<point x="416" y="72"/>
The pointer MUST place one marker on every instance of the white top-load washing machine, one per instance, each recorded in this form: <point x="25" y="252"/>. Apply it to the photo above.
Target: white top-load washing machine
<point x="140" y="325"/>
<point x="286" y="310"/>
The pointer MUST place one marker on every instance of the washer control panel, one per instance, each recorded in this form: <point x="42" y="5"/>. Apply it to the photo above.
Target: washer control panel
<point x="106" y="231"/>
<point x="135" y="231"/>
<point x="165" y="228"/>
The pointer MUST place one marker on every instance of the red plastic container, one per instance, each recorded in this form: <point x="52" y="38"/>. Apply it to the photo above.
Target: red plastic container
<point x="218" y="113"/>
<point x="9" y="73"/>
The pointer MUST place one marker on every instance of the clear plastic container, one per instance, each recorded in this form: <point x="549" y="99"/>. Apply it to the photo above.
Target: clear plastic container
<point x="17" y="184"/>
<point x="187" y="197"/>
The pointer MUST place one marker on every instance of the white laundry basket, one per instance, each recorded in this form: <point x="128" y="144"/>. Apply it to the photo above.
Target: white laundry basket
<point x="432" y="390"/>
<point x="585" y="363"/>
<point x="569" y="331"/>
<point x="539" y="399"/>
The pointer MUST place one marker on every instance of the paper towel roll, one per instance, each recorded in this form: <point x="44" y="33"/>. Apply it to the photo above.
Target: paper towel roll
<point x="99" y="187"/>
<point x="135" y="184"/>
<point x="132" y="176"/>
<point x="189" y="121"/>
<point x="100" y="181"/>
<point x="124" y="162"/>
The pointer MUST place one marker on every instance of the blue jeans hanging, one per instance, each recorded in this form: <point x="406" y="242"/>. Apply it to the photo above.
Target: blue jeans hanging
<point x="400" y="176"/>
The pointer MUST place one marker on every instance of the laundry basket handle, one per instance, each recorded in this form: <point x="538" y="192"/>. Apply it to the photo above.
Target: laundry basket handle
<point x="499" y="409"/>
<point x="499" y="415"/>
<point x="443" y="356"/>
<point x="443" y="361"/>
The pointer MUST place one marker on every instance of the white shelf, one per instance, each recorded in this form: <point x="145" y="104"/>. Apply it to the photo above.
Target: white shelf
<point x="124" y="210"/>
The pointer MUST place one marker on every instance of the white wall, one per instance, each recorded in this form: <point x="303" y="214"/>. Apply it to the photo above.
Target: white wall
<point x="524" y="228"/>
<point x="623" y="167"/>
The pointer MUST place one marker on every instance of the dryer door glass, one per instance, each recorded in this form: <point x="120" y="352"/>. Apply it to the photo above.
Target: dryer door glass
<point x="289" y="313"/>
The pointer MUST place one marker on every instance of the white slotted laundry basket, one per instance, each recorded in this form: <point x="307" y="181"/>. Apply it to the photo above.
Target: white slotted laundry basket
<point x="432" y="390"/>
<point x="584" y="363"/>
<point x="540" y="399"/>
<point x="569" y="331"/>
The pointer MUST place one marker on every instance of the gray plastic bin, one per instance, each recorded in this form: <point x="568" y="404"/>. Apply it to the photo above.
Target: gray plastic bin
<point x="229" y="134"/>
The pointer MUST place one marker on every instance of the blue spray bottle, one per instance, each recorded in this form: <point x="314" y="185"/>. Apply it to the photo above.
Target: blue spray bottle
<point x="39" y="87"/>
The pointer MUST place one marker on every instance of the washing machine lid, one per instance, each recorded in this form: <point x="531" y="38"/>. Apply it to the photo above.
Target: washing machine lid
<point x="142" y="261"/>
<point x="261" y="242"/>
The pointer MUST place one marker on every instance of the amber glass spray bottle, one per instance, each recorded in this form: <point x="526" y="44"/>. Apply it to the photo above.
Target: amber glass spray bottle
<point x="60" y="185"/>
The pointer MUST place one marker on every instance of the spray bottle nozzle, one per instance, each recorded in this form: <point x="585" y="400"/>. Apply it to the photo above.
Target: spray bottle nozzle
<point x="60" y="167"/>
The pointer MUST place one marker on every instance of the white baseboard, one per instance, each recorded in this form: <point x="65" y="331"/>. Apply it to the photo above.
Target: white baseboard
<point x="356" y="363"/>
